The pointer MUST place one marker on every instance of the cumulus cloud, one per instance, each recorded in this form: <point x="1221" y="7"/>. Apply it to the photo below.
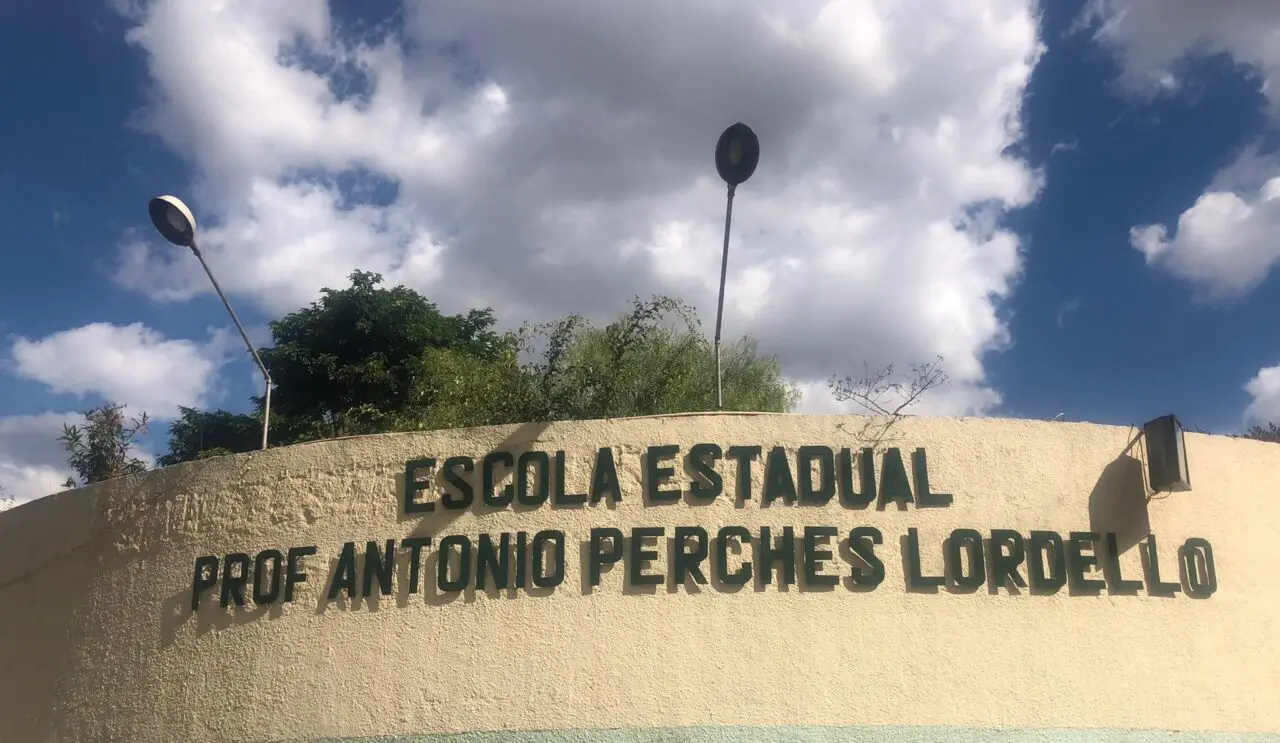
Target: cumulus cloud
<point x="552" y="158"/>
<point x="129" y="364"/>
<point x="32" y="463"/>
<point x="1225" y="243"/>
<point x="1265" y="390"/>
<point x="1155" y="38"/>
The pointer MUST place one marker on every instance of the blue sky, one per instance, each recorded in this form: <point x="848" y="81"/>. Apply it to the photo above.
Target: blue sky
<point x="549" y="160"/>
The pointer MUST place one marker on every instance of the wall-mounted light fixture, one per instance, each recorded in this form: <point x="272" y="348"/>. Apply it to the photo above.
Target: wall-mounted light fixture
<point x="1166" y="455"/>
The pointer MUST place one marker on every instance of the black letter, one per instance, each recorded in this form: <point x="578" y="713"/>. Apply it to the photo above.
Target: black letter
<point x="708" y="484"/>
<point x="379" y="566"/>
<point x="495" y="561"/>
<point x="1057" y="577"/>
<point x="655" y="476"/>
<point x="415" y="545"/>
<point x="1078" y="562"/>
<point x="599" y="558"/>
<point x="459" y="582"/>
<point x="915" y="579"/>
<point x="1116" y="582"/>
<point x="849" y="497"/>
<point x="490" y="498"/>
<point x="412" y="486"/>
<point x="522" y="559"/>
<point x="744" y="455"/>
<point x="768" y="554"/>
<point x="874" y="574"/>
<point x="344" y="576"/>
<point x="1004" y="568"/>
<point x="233" y="583"/>
<point x="541" y="578"/>
<point x="206" y="576"/>
<point x="1155" y="586"/>
<point x="778" y="482"/>
<point x="971" y="541"/>
<point x="743" y="573"/>
<point x="269" y="596"/>
<point x="563" y="497"/>
<point x="465" y="493"/>
<point x="821" y="493"/>
<point x="814" y="557"/>
<point x="924" y="498"/>
<point x="894" y="485"/>
<point x="293" y="575"/>
<point x="539" y="459"/>
<point x="1197" y="561"/>
<point x="690" y="563"/>
<point x="640" y="555"/>
<point x="604" y="479"/>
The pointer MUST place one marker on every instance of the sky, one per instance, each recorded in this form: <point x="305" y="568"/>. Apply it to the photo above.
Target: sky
<point x="1075" y="204"/>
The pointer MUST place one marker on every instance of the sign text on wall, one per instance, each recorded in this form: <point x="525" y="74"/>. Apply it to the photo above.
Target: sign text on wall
<point x="728" y="558"/>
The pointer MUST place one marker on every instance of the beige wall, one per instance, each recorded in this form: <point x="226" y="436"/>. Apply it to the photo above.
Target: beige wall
<point x="98" y="641"/>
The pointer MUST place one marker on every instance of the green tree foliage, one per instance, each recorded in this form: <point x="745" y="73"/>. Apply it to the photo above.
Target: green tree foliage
<point x="368" y="359"/>
<point x="197" y="434"/>
<point x="350" y="362"/>
<point x="102" y="448"/>
<point x="650" y="361"/>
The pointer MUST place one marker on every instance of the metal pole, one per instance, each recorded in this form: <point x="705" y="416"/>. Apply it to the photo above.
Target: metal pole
<point x="724" y="267"/>
<point x="266" y="376"/>
<point x="266" y="410"/>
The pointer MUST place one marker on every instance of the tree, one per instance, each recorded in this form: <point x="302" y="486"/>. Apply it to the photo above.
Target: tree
<point x="103" y="448"/>
<point x="196" y="434"/>
<point x="887" y="395"/>
<point x="372" y="360"/>
<point x="351" y="362"/>
<point x="651" y="360"/>
<point x="1269" y="432"/>
<point x="6" y="501"/>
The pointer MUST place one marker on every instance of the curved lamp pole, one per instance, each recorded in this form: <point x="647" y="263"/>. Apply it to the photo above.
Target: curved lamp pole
<point x="737" y="153"/>
<point x="175" y="222"/>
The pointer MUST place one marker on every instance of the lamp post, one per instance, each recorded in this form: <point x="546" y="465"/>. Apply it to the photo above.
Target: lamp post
<point x="175" y="222"/>
<point x="737" y="153"/>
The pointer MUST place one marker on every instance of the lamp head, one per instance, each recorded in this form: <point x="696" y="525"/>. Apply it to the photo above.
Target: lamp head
<point x="173" y="220"/>
<point x="737" y="154"/>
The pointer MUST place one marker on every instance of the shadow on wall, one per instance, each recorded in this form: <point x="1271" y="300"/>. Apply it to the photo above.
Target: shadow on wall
<point x="212" y="616"/>
<point x="1118" y="502"/>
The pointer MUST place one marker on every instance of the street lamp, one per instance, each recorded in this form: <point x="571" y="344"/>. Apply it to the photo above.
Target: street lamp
<point x="175" y="222"/>
<point x="737" y="154"/>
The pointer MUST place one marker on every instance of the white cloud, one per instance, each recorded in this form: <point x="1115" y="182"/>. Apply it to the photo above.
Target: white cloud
<point x="1265" y="390"/>
<point x="32" y="463"/>
<point x="1225" y="245"/>
<point x="1154" y="38"/>
<point x="129" y="364"/>
<point x="553" y="158"/>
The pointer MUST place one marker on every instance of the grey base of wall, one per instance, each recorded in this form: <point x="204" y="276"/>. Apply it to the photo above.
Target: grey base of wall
<point x="886" y="734"/>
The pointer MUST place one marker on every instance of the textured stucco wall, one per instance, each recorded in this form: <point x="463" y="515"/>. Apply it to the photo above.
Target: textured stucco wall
<point x="98" y="641"/>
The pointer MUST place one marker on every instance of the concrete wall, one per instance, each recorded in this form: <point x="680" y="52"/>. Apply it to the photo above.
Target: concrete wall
<point x="98" y="640"/>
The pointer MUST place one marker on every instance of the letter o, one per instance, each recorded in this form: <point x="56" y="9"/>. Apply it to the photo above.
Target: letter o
<point x="1196" y="558"/>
